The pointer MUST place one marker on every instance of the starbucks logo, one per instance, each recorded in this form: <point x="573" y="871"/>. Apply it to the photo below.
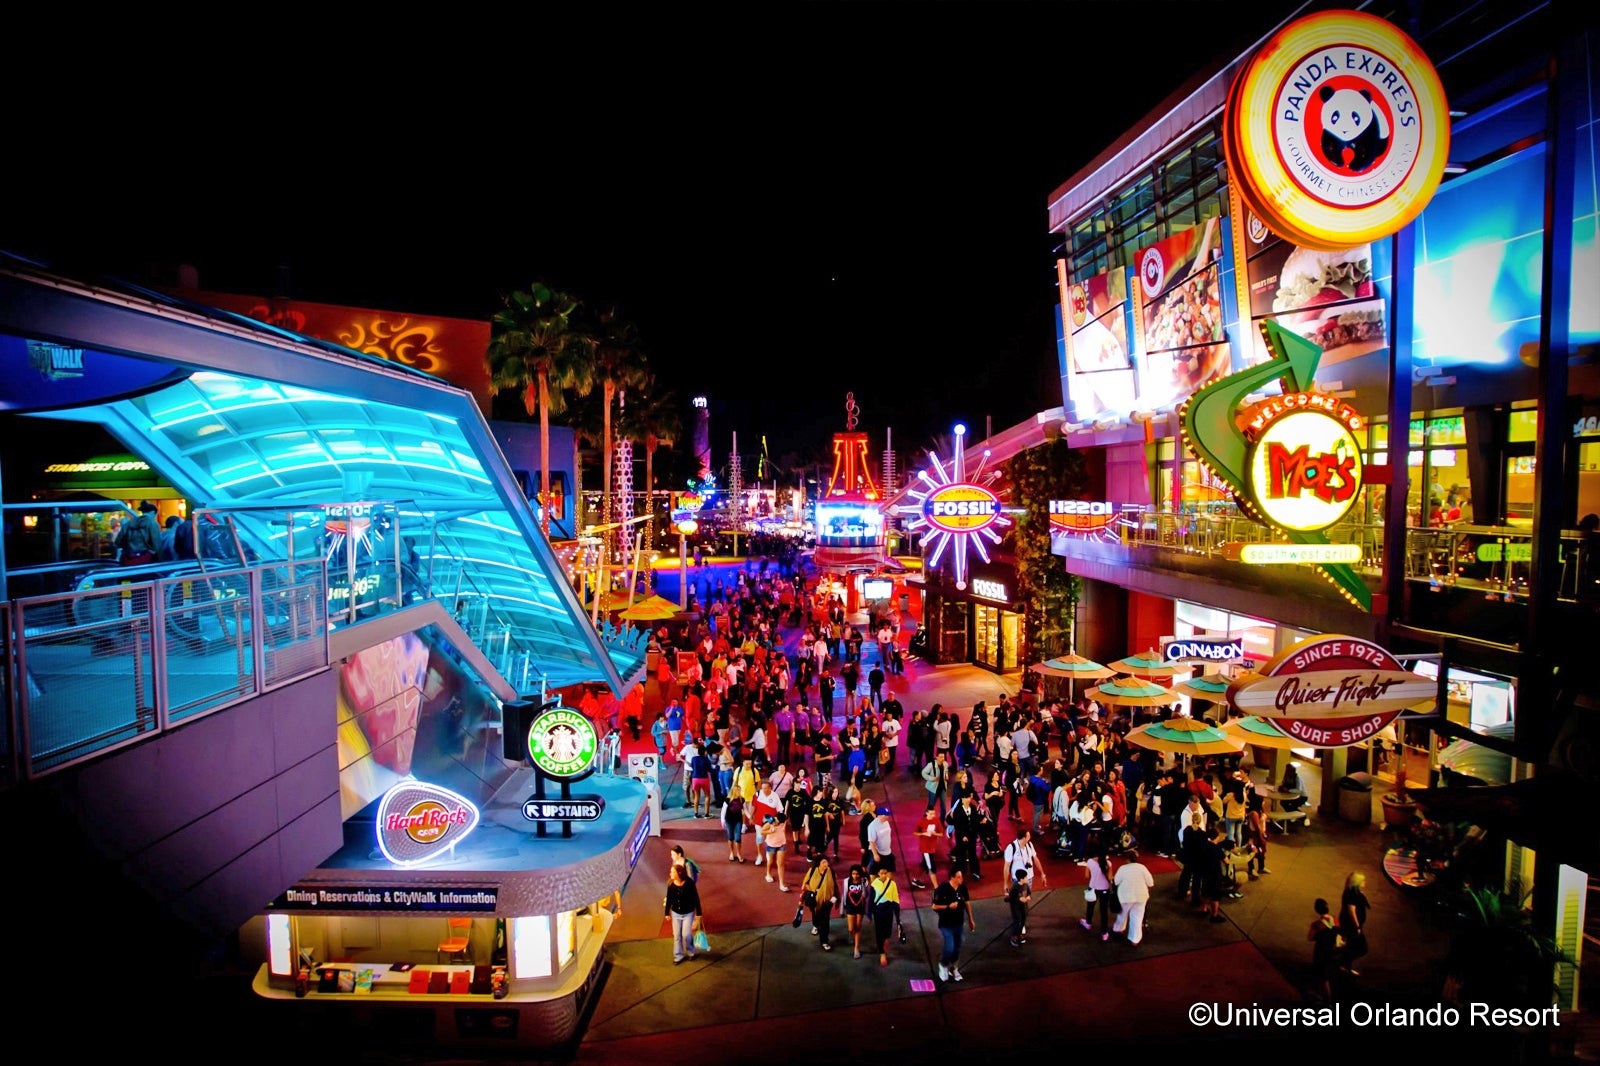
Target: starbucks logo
<point x="562" y="743"/>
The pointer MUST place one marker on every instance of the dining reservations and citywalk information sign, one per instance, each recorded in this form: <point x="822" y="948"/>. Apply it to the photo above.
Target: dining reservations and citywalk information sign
<point x="1331" y="691"/>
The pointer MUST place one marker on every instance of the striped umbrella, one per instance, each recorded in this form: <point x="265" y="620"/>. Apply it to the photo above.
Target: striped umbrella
<point x="1253" y="729"/>
<point x="1132" y="692"/>
<point x="1148" y="664"/>
<point x="1072" y="667"/>
<point x="1211" y="687"/>
<point x="1184" y="736"/>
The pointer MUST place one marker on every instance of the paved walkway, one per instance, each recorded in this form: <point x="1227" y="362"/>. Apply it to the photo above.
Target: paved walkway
<point x="767" y="994"/>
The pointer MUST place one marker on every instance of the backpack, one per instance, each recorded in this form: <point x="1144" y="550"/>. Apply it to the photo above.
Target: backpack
<point x="693" y="868"/>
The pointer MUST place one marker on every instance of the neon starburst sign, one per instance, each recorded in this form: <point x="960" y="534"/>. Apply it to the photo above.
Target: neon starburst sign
<point x="957" y="510"/>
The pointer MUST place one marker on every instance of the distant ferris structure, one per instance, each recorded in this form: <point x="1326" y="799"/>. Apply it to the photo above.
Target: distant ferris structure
<point x="702" y="437"/>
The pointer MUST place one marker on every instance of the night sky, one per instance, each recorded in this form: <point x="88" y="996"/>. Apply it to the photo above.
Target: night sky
<point x="791" y="201"/>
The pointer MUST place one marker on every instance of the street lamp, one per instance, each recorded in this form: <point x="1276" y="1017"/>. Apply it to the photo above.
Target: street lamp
<point x="686" y="529"/>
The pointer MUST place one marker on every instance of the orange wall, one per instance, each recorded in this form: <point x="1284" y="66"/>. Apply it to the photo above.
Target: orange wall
<point x="454" y="349"/>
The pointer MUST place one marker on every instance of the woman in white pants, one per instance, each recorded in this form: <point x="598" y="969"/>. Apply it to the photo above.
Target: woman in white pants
<point x="1133" y="883"/>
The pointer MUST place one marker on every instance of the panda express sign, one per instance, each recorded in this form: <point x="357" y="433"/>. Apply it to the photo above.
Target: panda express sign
<point x="1331" y="691"/>
<point x="1337" y="129"/>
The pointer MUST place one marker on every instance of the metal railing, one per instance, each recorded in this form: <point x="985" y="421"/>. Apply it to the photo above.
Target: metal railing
<point x="95" y="670"/>
<point x="1209" y="532"/>
<point x="1494" y="559"/>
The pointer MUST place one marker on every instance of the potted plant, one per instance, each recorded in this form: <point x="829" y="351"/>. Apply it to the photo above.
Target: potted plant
<point x="1399" y="809"/>
<point x="1497" y="955"/>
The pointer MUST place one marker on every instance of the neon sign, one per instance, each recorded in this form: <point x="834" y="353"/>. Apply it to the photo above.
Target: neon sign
<point x="957" y="510"/>
<point x="1202" y="649"/>
<point x="562" y="743"/>
<point x="961" y="508"/>
<point x="418" y="823"/>
<point x="990" y="590"/>
<point x="1303" y="469"/>
<point x="1276" y="554"/>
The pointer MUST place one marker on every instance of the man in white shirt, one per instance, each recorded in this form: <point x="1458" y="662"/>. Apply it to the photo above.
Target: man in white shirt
<point x="880" y="842"/>
<point x="1020" y="855"/>
<point x="891" y="740"/>
<point x="1133" y="884"/>
<point x="941" y="732"/>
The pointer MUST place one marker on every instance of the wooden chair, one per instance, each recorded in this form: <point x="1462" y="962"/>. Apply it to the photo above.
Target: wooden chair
<point x="458" y="939"/>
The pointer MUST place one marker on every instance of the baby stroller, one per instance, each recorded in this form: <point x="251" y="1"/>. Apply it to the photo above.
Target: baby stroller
<point x="1061" y="845"/>
<point x="989" y="840"/>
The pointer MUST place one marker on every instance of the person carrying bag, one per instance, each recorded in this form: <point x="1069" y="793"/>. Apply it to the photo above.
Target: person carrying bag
<point x="820" y="892"/>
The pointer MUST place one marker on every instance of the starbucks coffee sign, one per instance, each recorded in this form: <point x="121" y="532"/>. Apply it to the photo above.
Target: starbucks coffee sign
<point x="562" y="743"/>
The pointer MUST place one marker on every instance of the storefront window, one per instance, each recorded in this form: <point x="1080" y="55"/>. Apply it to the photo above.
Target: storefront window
<point x="987" y="632"/>
<point x="530" y="940"/>
<point x="566" y="938"/>
<point x="1439" y="492"/>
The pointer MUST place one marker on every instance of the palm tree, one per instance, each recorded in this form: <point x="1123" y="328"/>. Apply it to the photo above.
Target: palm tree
<point x="655" y="419"/>
<point x="537" y="346"/>
<point x="619" y="364"/>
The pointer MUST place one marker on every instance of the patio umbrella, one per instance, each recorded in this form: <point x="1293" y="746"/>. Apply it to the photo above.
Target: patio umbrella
<point x="610" y="601"/>
<point x="1074" y="668"/>
<point x="1253" y="729"/>
<point x="1184" y="736"/>
<point x="652" y="608"/>
<point x="1210" y="688"/>
<point x="1132" y="692"/>
<point x="1148" y="664"/>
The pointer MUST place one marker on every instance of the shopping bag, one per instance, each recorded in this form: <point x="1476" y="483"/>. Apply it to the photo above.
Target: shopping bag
<point x="799" y="916"/>
<point x="701" y="941"/>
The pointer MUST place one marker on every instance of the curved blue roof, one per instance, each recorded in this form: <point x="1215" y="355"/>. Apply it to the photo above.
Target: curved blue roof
<point x="271" y="427"/>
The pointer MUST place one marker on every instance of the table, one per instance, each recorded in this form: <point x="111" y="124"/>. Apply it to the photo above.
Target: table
<point x="1400" y="866"/>
<point x="1275" y="813"/>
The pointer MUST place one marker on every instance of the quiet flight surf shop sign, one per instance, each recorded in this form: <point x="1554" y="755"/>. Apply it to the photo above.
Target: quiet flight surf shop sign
<point x="1331" y="691"/>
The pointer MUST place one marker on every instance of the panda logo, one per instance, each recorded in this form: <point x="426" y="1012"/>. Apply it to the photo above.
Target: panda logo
<point x="1355" y="133"/>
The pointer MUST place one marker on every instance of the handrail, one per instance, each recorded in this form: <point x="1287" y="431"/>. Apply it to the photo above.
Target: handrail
<point x="94" y="670"/>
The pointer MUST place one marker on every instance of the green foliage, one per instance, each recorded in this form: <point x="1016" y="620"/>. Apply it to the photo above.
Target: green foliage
<point x="1497" y="954"/>
<point x="1051" y="471"/>
<point x="538" y="335"/>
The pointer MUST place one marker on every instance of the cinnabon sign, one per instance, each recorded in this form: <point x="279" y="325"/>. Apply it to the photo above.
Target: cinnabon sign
<point x="1333" y="691"/>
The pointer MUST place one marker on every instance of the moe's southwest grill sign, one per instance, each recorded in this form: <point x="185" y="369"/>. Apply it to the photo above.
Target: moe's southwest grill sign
<point x="1331" y="691"/>
<point x="961" y="508"/>
<point x="419" y="823"/>
<point x="1337" y="130"/>
<point x="1303" y="467"/>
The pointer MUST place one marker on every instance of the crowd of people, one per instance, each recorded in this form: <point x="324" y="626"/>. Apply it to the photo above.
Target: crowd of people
<point x="780" y="751"/>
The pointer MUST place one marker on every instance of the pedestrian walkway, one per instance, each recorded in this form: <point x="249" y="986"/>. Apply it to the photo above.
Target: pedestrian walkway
<point x="766" y="994"/>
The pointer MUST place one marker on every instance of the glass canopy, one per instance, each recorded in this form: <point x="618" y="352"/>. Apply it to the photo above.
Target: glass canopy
<point x="303" y="448"/>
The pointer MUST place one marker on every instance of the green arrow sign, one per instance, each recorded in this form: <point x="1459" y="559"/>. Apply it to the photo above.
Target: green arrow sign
<point x="1215" y="438"/>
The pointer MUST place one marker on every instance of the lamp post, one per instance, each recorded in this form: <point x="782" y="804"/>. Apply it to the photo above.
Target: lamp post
<point x="685" y="528"/>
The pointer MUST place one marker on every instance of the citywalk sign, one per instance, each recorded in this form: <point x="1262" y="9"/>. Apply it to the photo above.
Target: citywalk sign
<point x="1332" y="691"/>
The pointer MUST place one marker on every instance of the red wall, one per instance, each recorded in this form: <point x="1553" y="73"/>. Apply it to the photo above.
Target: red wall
<point x="1149" y="619"/>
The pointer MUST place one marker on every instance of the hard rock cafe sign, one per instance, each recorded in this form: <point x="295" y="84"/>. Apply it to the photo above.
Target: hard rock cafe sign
<point x="1331" y="691"/>
<point x="419" y="823"/>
